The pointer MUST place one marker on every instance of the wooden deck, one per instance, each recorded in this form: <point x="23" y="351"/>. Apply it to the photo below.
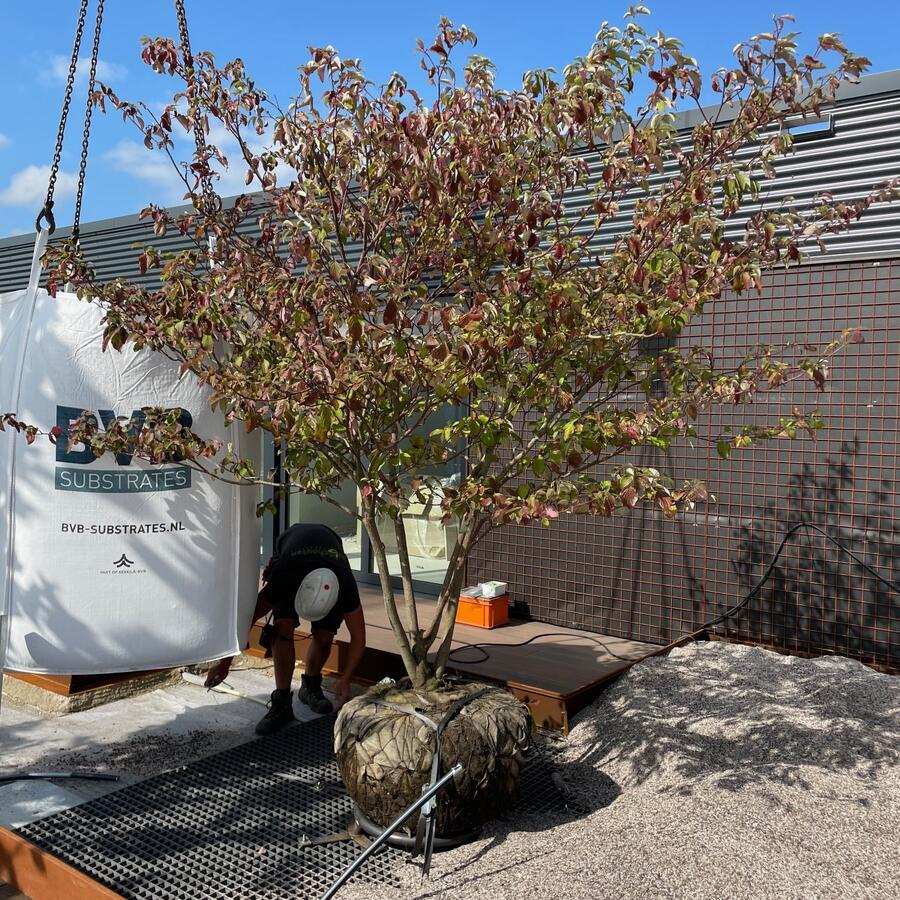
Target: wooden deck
<point x="557" y="674"/>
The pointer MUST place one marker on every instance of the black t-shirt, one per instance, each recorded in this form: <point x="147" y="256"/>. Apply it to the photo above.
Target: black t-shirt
<point x="300" y="542"/>
<point x="298" y="551"/>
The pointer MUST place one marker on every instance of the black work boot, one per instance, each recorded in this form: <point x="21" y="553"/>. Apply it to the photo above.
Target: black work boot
<point x="280" y="713"/>
<point x="311" y="694"/>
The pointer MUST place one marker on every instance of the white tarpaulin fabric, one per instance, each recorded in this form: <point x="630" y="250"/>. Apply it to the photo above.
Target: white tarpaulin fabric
<point x="110" y="564"/>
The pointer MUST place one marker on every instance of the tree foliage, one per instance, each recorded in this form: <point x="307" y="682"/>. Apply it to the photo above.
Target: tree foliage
<point x="528" y="256"/>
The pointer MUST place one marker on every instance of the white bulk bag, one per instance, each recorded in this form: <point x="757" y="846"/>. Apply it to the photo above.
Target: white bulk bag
<point x="110" y="564"/>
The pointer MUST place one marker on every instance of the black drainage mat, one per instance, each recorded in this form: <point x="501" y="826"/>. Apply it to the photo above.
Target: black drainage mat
<point x="230" y="826"/>
<point x="227" y="826"/>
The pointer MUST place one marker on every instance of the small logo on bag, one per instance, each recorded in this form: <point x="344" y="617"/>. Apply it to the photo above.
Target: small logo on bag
<point x="123" y="566"/>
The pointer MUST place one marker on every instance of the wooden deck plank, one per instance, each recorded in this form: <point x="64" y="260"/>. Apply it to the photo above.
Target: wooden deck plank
<point x="57" y="684"/>
<point x="558" y="674"/>
<point x="561" y="662"/>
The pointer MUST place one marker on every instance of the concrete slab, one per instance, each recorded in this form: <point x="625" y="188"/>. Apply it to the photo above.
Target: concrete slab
<point x="22" y="802"/>
<point x="137" y="736"/>
<point x="23" y="693"/>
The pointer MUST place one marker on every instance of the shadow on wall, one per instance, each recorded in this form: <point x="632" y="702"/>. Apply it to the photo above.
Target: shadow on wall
<point x="817" y="599"/>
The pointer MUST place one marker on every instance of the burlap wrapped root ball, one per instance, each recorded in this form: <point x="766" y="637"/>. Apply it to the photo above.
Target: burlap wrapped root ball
<point x="385" y="754"/>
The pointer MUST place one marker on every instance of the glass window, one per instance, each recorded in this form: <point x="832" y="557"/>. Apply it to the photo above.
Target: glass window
<point x="430" y="543"/>
<point x="307" y="508"/>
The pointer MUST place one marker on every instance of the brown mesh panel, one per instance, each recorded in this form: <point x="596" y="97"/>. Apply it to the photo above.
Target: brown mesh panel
<point x="641" y="577"/>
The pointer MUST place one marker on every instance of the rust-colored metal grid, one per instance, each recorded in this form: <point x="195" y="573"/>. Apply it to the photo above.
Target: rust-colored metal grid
<point x="645" y="578"/>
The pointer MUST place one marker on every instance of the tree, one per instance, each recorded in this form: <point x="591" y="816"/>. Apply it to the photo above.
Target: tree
<point x="529" y="256"/>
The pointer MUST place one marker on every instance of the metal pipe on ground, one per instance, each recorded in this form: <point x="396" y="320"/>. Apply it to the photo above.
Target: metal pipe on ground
<point x="431" y="792"/>
<point x="223" y="688"/>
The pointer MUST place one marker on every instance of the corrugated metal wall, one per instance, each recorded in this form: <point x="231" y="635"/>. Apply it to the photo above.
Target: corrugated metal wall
<point x="109" y="245"/>
<point x="861" y="150"/>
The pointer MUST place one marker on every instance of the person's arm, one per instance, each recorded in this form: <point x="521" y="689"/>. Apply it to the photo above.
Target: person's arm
<point x="356" y="625"/>
<point x="219" y="672"/>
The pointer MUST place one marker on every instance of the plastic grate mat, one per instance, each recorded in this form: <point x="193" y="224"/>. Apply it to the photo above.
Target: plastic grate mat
<point x="230" y="826"/>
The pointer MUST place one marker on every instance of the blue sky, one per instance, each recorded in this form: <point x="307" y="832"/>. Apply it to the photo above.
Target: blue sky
<point x="272" y="38"/>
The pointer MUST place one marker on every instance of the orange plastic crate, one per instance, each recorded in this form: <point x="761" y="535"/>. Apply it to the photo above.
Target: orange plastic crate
<point x="482" y="612"/>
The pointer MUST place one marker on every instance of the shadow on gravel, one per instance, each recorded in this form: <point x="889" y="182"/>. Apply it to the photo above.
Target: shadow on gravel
<point x="481" y="876"/>
<point x="553" y="792"/>
<point x="727" y="717"/>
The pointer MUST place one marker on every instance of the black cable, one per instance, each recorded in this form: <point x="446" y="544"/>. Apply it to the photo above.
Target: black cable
<point x="486" y="656"/>
<point x="766" y="575"/>
<point x="35" y="776"/>
<point x="729" y="613"/>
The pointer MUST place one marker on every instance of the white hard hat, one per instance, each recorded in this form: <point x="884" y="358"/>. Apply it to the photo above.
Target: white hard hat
<point x="317" y="594"/>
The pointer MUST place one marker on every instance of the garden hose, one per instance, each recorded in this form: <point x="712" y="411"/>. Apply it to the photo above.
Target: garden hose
<point x="40" y="776"/>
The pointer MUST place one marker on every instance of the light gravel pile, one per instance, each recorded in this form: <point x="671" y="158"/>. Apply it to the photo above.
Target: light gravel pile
<point x="717" y="772"/>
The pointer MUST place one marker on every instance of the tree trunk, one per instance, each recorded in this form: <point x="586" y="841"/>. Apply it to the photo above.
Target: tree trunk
<point x="410" y="663"/>
<point x="452" y="586"/>
<point x="412" y="642"/>
<point x="450" y="593"/>
<point x="409" y="595"/>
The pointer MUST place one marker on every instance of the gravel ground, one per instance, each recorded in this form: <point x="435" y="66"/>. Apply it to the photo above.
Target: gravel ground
<point x="720" y="771"/>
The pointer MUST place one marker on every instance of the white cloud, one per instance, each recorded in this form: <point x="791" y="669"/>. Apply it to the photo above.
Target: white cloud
<point x="153" y="167"/>
<point x="231" y="180"/>
<point x="29" y="186"/>
<point x="106" y="71"/>
<point x="4" y="140"/>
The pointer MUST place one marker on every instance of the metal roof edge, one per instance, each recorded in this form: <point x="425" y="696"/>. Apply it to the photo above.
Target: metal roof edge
<point x="867" y="86"/>
<point x="871" y="85"/>
<point x="116" y="223"/>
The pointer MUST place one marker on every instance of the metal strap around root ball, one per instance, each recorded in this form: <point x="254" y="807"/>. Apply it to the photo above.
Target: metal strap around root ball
<point x="426" y="828"/>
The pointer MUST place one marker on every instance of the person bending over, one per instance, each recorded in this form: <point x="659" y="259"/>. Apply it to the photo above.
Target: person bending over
<point x="309" y="576"/>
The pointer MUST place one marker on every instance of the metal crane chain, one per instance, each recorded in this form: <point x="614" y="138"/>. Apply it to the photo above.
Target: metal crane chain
<point x="47" y="211"/>
<point x="88" y="109"/>
<point x="199" y="136"/>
